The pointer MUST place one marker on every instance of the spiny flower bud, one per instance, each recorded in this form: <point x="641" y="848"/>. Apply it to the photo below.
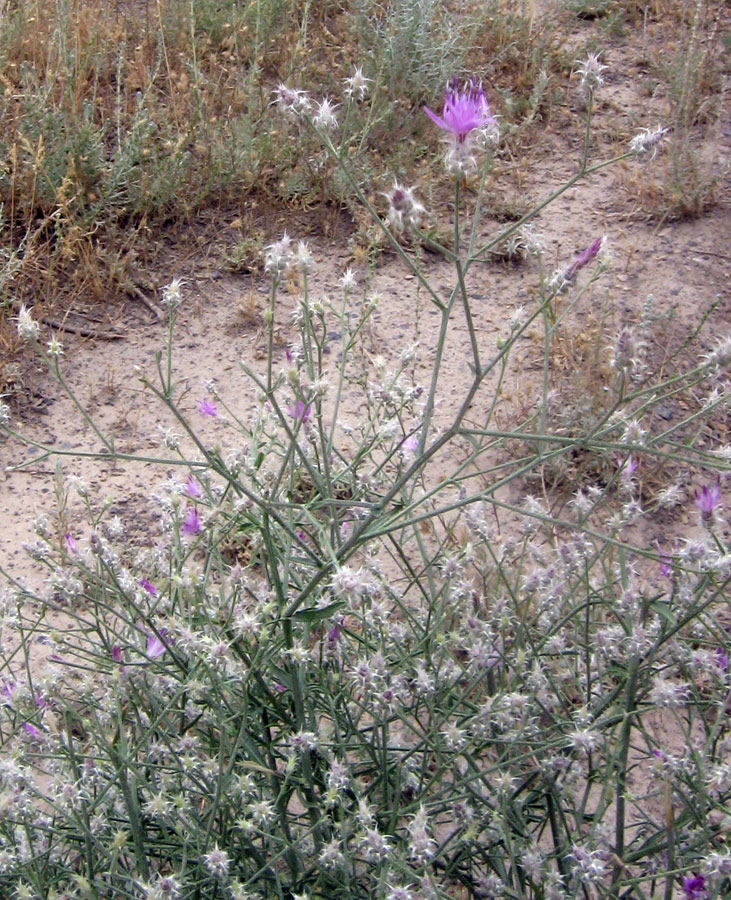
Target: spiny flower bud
<point x="647" y="139"/>
<point x="325" y="118"/>
<point x="279" y="256"/>
<point x="591" y="73"/>
<point x="171" y="296"/>
<point x="356" y="87"/>
<point x="624" y="351"/>
<point x="292" y="101"/>
<point x="28" y="328"/>
<point x="404" y="211"/>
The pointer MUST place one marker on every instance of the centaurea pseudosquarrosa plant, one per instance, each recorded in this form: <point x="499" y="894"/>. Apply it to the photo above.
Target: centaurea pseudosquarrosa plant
<point x="361" y="682"/>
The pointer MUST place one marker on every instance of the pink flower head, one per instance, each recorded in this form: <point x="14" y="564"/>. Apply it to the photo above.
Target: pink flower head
<point x="665" y="562"/>
<point x="156" y="646"/>
<point x="191" y="522"/>
<point x="464" y="110"/>
<point x="628" y="466"/>
<point x="695" y="887"/>
<point x="708" y="498"/>
<point x="722" y="660"/>
<point x="411" y="444"/>
<point x="207" y="408"/>
<point x="149" y="587"/>
<point x="117" y="654"/>
<point x="193" y="487"/>
<point x="583" y="259"/>
<point x="300" y="413"/>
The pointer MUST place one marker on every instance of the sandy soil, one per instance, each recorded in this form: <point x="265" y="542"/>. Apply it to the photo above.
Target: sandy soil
<point x="684" y="265"/>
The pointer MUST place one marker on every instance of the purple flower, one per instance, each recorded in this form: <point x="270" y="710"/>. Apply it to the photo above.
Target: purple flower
<point x="300" y="413"/>
<point x="192" y="522"/>
<point x="193" y="487"/>
<point x="695" y="887"/>
<point x="71" y="543"/>
<point x="117" y="653"/>
<point x="156" y="645"/>
<point x="207" y="408"/>
<point x="32" y="730"/>
<point x="722" y="660"/>
<point x="411" y="444"/>
<point x="464" y="110"/>
<point x="149" y="587"/>
<point x="333" y="636"/>
<point x="665" y="562"/>
<point x="708" y="498"/>
<point x="583" y="259"/>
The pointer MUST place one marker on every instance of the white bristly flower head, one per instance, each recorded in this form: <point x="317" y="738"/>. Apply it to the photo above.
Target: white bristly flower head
<point x="533" y="240"/>
<point x="55" y="347"/>
<point x="279" y="256"/>
<point x="28" y="328"/>
<point x="171" y="296"/>
<point x="349" y="280"/>
<point x="217" y="862"/>
<point x="4" y="413"/>
<point x="404" y="210"/>
<point x="296" y="103"/>
<point x="303" y="257"/>
<point x="325" y="117"/>
<point x="356" y="87"/>
<point x="591" y="70"/>
<point x="648" y="139"/>
<point x="720" y="356"/>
